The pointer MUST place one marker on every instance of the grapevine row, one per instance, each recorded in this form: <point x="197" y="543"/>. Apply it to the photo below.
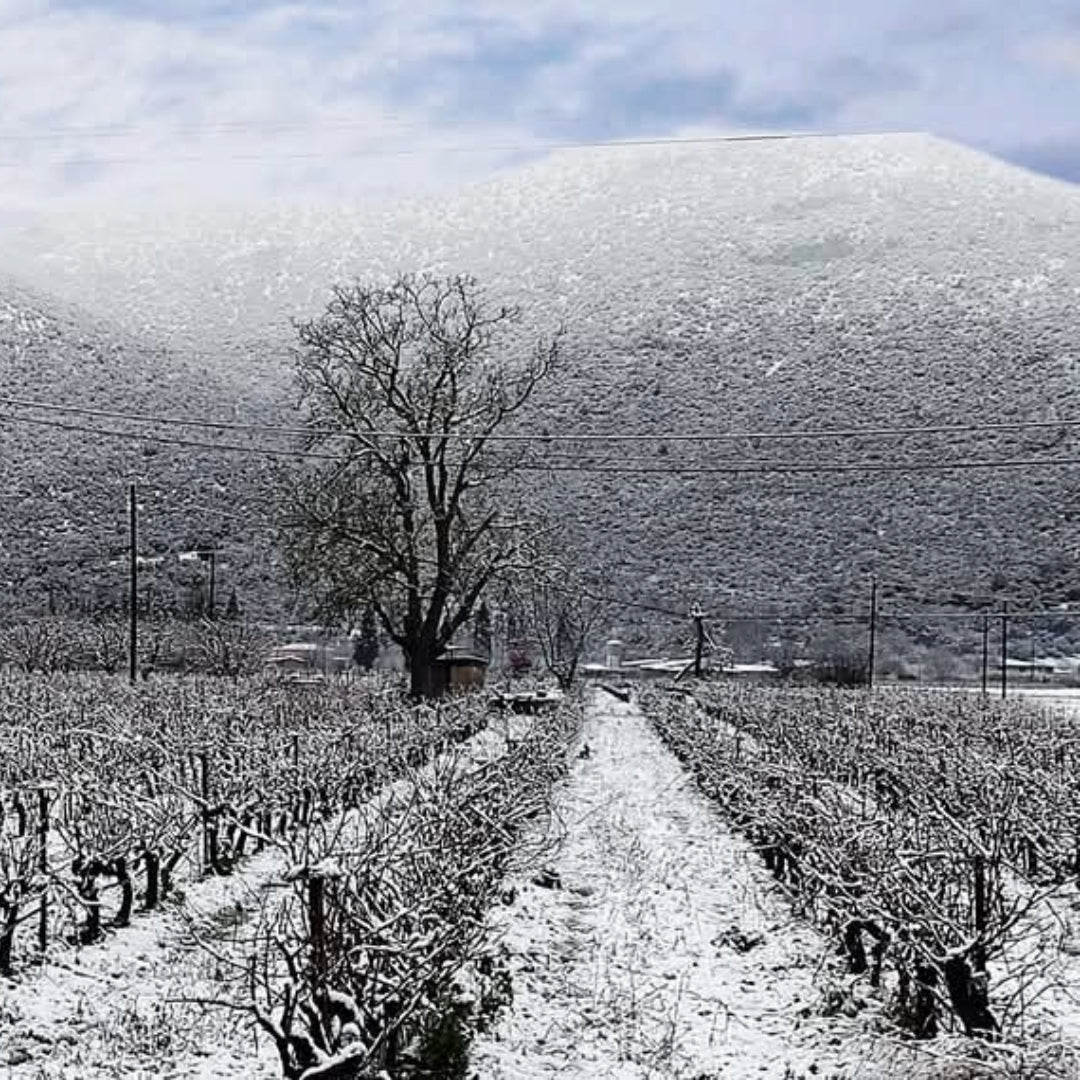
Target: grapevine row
<point x="920" y="832"/>
<point x="109" y="793"/>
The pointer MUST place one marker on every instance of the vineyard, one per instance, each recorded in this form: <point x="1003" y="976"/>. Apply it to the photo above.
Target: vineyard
<point x="205" y="878"/>
<point x="936" y="841"/>
<point x="388" y="827"/>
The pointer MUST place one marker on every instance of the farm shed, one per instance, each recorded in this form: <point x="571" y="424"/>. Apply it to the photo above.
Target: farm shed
<point x="299" y="656"/>
<point x="458" y="669"/>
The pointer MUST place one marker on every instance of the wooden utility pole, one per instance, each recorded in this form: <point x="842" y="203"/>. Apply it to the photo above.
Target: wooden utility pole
<point x="1004" y="649"/>
<point x="133" y="588"/>
<point x="985" y="655"/>
<point x="698" y="616"/>
<point x="872" y="646"/>
<point x="212" y="597"/>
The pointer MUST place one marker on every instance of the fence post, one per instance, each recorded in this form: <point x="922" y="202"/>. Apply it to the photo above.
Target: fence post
<point x="317" y="926"/>
<point x="978" y="954"/>
<point x="1004" y="649"/>
<point x="43" y="868"/>
<point x="985" y="656"/>
<point x="209" y="852"/>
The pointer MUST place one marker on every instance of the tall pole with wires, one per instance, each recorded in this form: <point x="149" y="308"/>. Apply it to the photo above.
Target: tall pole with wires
<point x="211" y="593"/>
<point x="985" y="656"/>
<point x="698" y="615"/>
<point x="133" y="586"/>
<point x="871" y="651"/>
<point x="1004" y="649"/>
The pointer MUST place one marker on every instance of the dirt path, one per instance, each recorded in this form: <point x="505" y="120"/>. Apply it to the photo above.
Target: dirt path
<point x="665" y="952"/>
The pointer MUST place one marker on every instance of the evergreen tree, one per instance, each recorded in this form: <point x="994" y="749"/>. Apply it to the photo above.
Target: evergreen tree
<point x="482" y="630"/>
<point x="232" y="608"/>
<point x="366" y="644"/>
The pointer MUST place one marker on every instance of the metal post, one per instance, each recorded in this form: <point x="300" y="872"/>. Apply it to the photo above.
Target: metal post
<point x="1004" y="649"/>
<point x="133" y="588"/>
<point x="699" y="644"/>
<point x="212" y="598"/>
<point x="43" y="868"/>
<point x="985" y="655"/>
<point x="872" y="650"/>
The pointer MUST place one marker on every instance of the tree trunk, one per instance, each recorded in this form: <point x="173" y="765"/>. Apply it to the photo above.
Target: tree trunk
<point x="167" y="869"/>
<point x="127" y="892"/>
<point x="91" y="898"/>
<point x="9" y="921"/>
<point x="969" y="994"/>
<point x="152" y="862"/>
<point x="426" y="677"/>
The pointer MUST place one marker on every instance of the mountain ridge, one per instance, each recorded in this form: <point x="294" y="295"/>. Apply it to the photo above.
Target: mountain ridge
<point x="840" y="282"/>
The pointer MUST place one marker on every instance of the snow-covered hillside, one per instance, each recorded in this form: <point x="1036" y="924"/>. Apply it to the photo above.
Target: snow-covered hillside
<point x="730" y="286"/>
<point x="619" y="237"/>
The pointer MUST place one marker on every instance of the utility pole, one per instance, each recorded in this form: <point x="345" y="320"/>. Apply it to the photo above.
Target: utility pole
<point x="133" y="587"/>
<point x="1004" y="649"/>
<point x="210" y="557"/>
<point x="985" y="656"/>
<point x="212" y="597"/>
<point x="872" y="647"/>
<point x="698" y="616"/>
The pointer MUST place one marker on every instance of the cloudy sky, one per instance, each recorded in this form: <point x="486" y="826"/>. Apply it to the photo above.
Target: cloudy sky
<point x="121" y="100"/>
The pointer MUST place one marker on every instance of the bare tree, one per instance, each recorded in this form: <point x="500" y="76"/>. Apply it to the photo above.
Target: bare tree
<point x="104" y="643"/>
<point x="231" y="649"/>
<point x="561" y="610"/>
<point x="47" y="645"/>
<point x="402" y="387"/>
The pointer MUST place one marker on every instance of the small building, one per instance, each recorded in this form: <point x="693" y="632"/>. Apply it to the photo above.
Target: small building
<point x="298" y="657"/>
<point x="614" y="651"/>
<point x="1038" y="670"/>
<point x="760" y="672"/>
<point x="658" y="668"/>
<point x="459" y="668"/>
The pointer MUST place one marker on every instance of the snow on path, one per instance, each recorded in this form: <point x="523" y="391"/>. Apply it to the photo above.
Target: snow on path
<point x="666" y="952"/>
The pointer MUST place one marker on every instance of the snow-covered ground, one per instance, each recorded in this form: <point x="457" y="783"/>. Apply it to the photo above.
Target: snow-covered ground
<point x="663" y="949"/>
<point x="138" y="1004"/>
<point x="651" y="944"/>
<point x="1064" y="699"/>
<point x="129" y="1006"/>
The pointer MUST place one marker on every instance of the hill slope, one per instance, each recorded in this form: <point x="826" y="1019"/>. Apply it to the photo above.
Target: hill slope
<point x="822" y="282"/>
<point x="63" y="511"/>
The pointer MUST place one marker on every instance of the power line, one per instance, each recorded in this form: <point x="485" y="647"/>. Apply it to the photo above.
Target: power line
<point x="461" y="149"/>
<point x="773" y="469"/>
<point x="586" y="437"/>
<point x="754" y="468"/>
<point x="169" y="440"/>
<point x="51" y="132"/>
<point x="395" y="122"/>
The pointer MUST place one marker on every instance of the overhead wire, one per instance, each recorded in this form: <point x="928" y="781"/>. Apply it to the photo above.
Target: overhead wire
<point x="538" y="146"/>
<point x="755" y="468"/>
<point x="169" y="440"/>
<point x="766" y="435"/>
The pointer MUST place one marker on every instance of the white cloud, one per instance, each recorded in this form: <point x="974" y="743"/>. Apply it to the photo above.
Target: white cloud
<point x="1059" y="51"/>
<point x="212" y="100"/>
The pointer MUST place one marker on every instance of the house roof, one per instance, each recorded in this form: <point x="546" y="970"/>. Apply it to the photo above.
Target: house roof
<point x="455" y="657"/>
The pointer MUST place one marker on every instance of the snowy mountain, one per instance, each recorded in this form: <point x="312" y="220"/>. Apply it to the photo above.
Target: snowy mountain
<point x="823" y="282"/>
